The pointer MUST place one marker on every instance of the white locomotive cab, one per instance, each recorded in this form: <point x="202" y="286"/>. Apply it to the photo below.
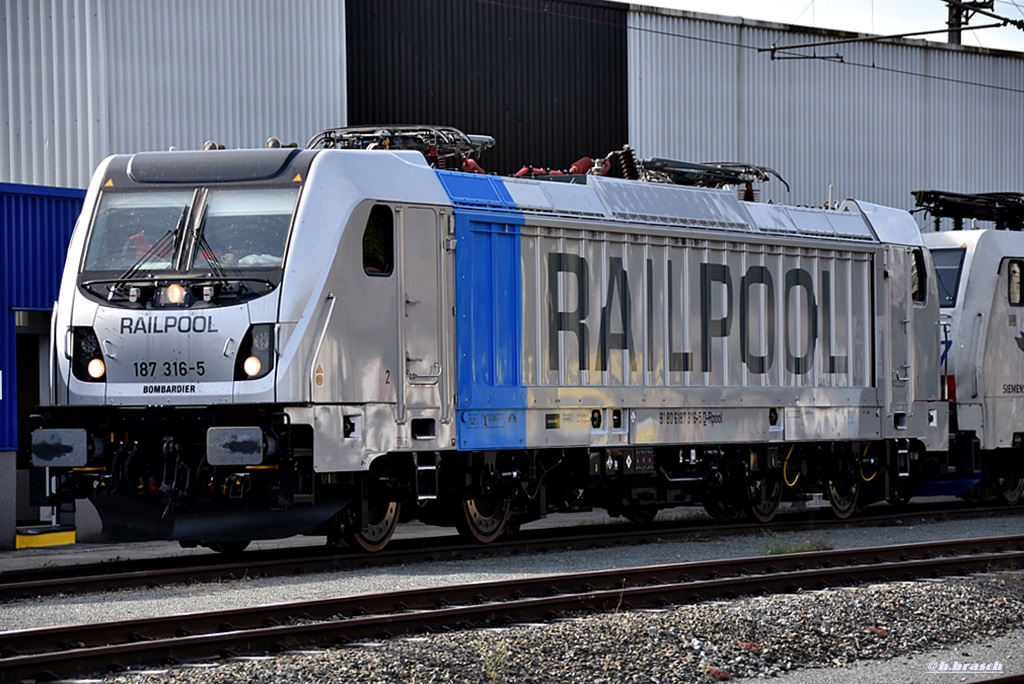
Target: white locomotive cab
<point x="168" y="347"/>
<point x="248" y="331"/>
<point x="172" y="284"/>
<point x="982" y="342"/>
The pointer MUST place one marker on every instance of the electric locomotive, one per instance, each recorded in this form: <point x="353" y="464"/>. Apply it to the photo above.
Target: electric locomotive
<point x="265" y="342"/>
<point x="982" y="344"/>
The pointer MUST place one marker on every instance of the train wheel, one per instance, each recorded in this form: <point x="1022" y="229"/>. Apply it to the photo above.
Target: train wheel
<point x="1014" y="491"/>
<point x="843" y="497"/>
<point x="483" y="519"/>
<point x="764" y="498"/>
<point x="383" y="519"/>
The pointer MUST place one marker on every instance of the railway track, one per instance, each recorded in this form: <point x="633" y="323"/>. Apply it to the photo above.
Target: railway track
<point x="123" y="574"/>
<point x="51" y="653"/>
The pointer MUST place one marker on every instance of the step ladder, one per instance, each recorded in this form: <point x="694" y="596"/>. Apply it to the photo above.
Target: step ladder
<point x="427" y="469"/>
<point x="903" y="457"/>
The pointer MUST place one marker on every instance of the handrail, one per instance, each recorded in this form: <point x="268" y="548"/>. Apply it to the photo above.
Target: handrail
<point x="443" y="309"/>
<point x="319" y="344"/>
<point x="426" y="378"/>
<point x="981" y="330"/>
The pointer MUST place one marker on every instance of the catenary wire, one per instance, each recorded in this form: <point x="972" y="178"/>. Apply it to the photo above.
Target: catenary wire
<point x="714" y="41"/>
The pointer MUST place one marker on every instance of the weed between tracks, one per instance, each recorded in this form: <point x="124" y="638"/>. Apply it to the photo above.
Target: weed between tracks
<point x="776" y="547"/>
<point x="1007" y="571"/>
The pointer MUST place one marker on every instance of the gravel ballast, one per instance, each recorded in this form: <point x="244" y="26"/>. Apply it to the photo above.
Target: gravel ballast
<point x="811" y="638"/>
<point x="753" y="637"/>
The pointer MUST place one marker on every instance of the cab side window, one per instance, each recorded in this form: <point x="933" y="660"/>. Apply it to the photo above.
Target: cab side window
<point x="379" y="242"/>
<point x="1013" y="294"/>
<point x="918" y="277"/>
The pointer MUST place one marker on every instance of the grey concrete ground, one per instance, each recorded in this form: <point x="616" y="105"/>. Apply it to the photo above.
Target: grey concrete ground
<point x="1004" y="654"/>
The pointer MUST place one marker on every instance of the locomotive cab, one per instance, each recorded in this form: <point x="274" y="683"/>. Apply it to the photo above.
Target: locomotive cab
<point x="240" y="335"/>
<point x="166" y="346"/>
<point x="201" y="267"/>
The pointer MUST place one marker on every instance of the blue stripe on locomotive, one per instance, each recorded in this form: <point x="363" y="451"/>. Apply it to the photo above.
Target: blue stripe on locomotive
<point x="488" y="302"/>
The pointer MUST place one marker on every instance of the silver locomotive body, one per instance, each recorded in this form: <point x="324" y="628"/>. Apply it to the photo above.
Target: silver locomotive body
<point x="685" y="346"/>
<point x="259" y="343"/>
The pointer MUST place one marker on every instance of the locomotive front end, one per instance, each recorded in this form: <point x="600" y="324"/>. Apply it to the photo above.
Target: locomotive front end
<point x="165" y="349"/>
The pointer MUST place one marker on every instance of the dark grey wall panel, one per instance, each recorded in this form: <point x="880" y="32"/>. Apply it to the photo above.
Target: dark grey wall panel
<point x="546" y="78"/>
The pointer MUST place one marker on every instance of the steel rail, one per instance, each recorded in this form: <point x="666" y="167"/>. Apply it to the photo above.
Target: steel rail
<point x="107" y="576"/>
<point x="67" y="650"/>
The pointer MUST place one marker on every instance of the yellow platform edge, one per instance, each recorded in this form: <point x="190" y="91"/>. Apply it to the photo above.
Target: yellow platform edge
<point x="37" y="537"/>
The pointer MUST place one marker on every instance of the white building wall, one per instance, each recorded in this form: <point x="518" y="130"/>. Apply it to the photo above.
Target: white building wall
<point x="888" y="119"/>
<point x="84" y="79"/>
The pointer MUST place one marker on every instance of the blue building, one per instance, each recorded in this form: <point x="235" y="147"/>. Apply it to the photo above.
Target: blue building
<point x="35" y="227"/>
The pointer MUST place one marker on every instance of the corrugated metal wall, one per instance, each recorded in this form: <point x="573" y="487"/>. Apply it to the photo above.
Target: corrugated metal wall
<point x="35" y="228"/>
<point x="887" y="119"/>
<point x="89" y="78"/>
<point x="546" y="78"/>
<point x="550" y="79"/>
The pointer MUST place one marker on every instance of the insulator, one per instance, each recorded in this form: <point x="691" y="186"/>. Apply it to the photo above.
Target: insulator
<point x="627" y="160"/>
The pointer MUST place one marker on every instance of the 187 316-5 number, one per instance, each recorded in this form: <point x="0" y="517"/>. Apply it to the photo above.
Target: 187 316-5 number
<point x="168" y="369"/>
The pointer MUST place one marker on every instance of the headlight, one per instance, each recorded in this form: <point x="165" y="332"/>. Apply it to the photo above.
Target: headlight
<point x="96" y="368"/>
<point x="255" y="357"/>
<point x="87" y="362"/>
<point x="175" y="293"/>
<point x="261" y="338"/>
<point x="252" y="366"/>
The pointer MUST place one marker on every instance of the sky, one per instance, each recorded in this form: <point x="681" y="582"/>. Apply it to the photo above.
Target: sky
<point x="879" y="17"/>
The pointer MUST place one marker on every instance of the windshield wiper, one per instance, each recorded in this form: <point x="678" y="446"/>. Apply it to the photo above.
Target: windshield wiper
<point x="161" y="248"/>
<point x="211" y="258"/>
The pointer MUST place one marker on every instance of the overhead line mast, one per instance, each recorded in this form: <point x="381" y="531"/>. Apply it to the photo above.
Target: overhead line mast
<point x="960" y="13"/>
